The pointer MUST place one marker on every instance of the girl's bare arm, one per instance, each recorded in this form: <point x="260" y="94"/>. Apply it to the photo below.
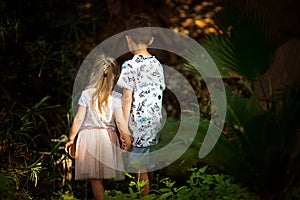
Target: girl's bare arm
<point x="77" y="122"/>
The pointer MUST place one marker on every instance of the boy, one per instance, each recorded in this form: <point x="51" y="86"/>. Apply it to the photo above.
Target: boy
<point x="142" y="80"/>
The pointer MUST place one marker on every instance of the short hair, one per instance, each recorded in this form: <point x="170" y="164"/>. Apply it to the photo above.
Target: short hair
<point x="142" y="33"/>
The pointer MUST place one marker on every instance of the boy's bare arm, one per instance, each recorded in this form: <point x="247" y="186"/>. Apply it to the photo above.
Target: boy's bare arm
<point x="127" y="100"/>
<point x="125" y="135"/>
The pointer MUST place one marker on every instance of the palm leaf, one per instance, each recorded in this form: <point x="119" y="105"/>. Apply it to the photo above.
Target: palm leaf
<point x="243" y="44"/>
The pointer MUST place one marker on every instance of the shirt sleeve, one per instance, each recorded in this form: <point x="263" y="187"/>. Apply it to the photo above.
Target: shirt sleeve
<point x="127" y="78"/>
<point x="83" y="100"/>
<point x="162" y="80"/>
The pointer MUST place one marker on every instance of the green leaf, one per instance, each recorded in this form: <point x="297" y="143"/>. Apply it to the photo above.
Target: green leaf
<point x="243" y="44"/>
<point x="165" y="196"/>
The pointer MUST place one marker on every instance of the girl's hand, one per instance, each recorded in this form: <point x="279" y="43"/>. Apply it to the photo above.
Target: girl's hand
<point x="68" y="145"/>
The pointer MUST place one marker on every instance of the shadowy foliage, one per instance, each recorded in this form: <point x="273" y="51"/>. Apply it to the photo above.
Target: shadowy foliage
<point x="42" y="45"/>
<point x="258" y="143"/>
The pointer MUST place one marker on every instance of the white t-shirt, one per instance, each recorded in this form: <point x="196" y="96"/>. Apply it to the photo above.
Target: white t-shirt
<point x="93" y="118"/>
<point x="144" y="76"/>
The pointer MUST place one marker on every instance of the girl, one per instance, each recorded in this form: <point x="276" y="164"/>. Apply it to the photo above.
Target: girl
<point x="97" y="155"/>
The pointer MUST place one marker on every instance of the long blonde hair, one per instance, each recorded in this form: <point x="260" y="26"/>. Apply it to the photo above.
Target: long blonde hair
<point x="104" y="78"/>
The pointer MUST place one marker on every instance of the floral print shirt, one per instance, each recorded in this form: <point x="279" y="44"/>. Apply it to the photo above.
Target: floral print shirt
<point x="144" y="76"/>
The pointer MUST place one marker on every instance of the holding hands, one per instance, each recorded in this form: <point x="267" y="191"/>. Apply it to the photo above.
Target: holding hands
<point x="126" y="140"/>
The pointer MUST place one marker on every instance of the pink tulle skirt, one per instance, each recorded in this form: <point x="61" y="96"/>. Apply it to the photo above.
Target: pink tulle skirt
<point x="98" y="155"/>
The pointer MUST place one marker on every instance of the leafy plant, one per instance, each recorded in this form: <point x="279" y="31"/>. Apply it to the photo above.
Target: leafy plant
<point x="200" y="184"/>
<point x="8" y="191"/>
<point x="134" y="188"/>
<point x="258" y="143"/>
<point x="39" y="60"/>
<point x="10" y="28"/>
<point x="64" y="196"/>
<point x="216" y="186"/>
<point x="20" y="137"/>
<point x="243" y="43"/>
<point x="258" y="147"/>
